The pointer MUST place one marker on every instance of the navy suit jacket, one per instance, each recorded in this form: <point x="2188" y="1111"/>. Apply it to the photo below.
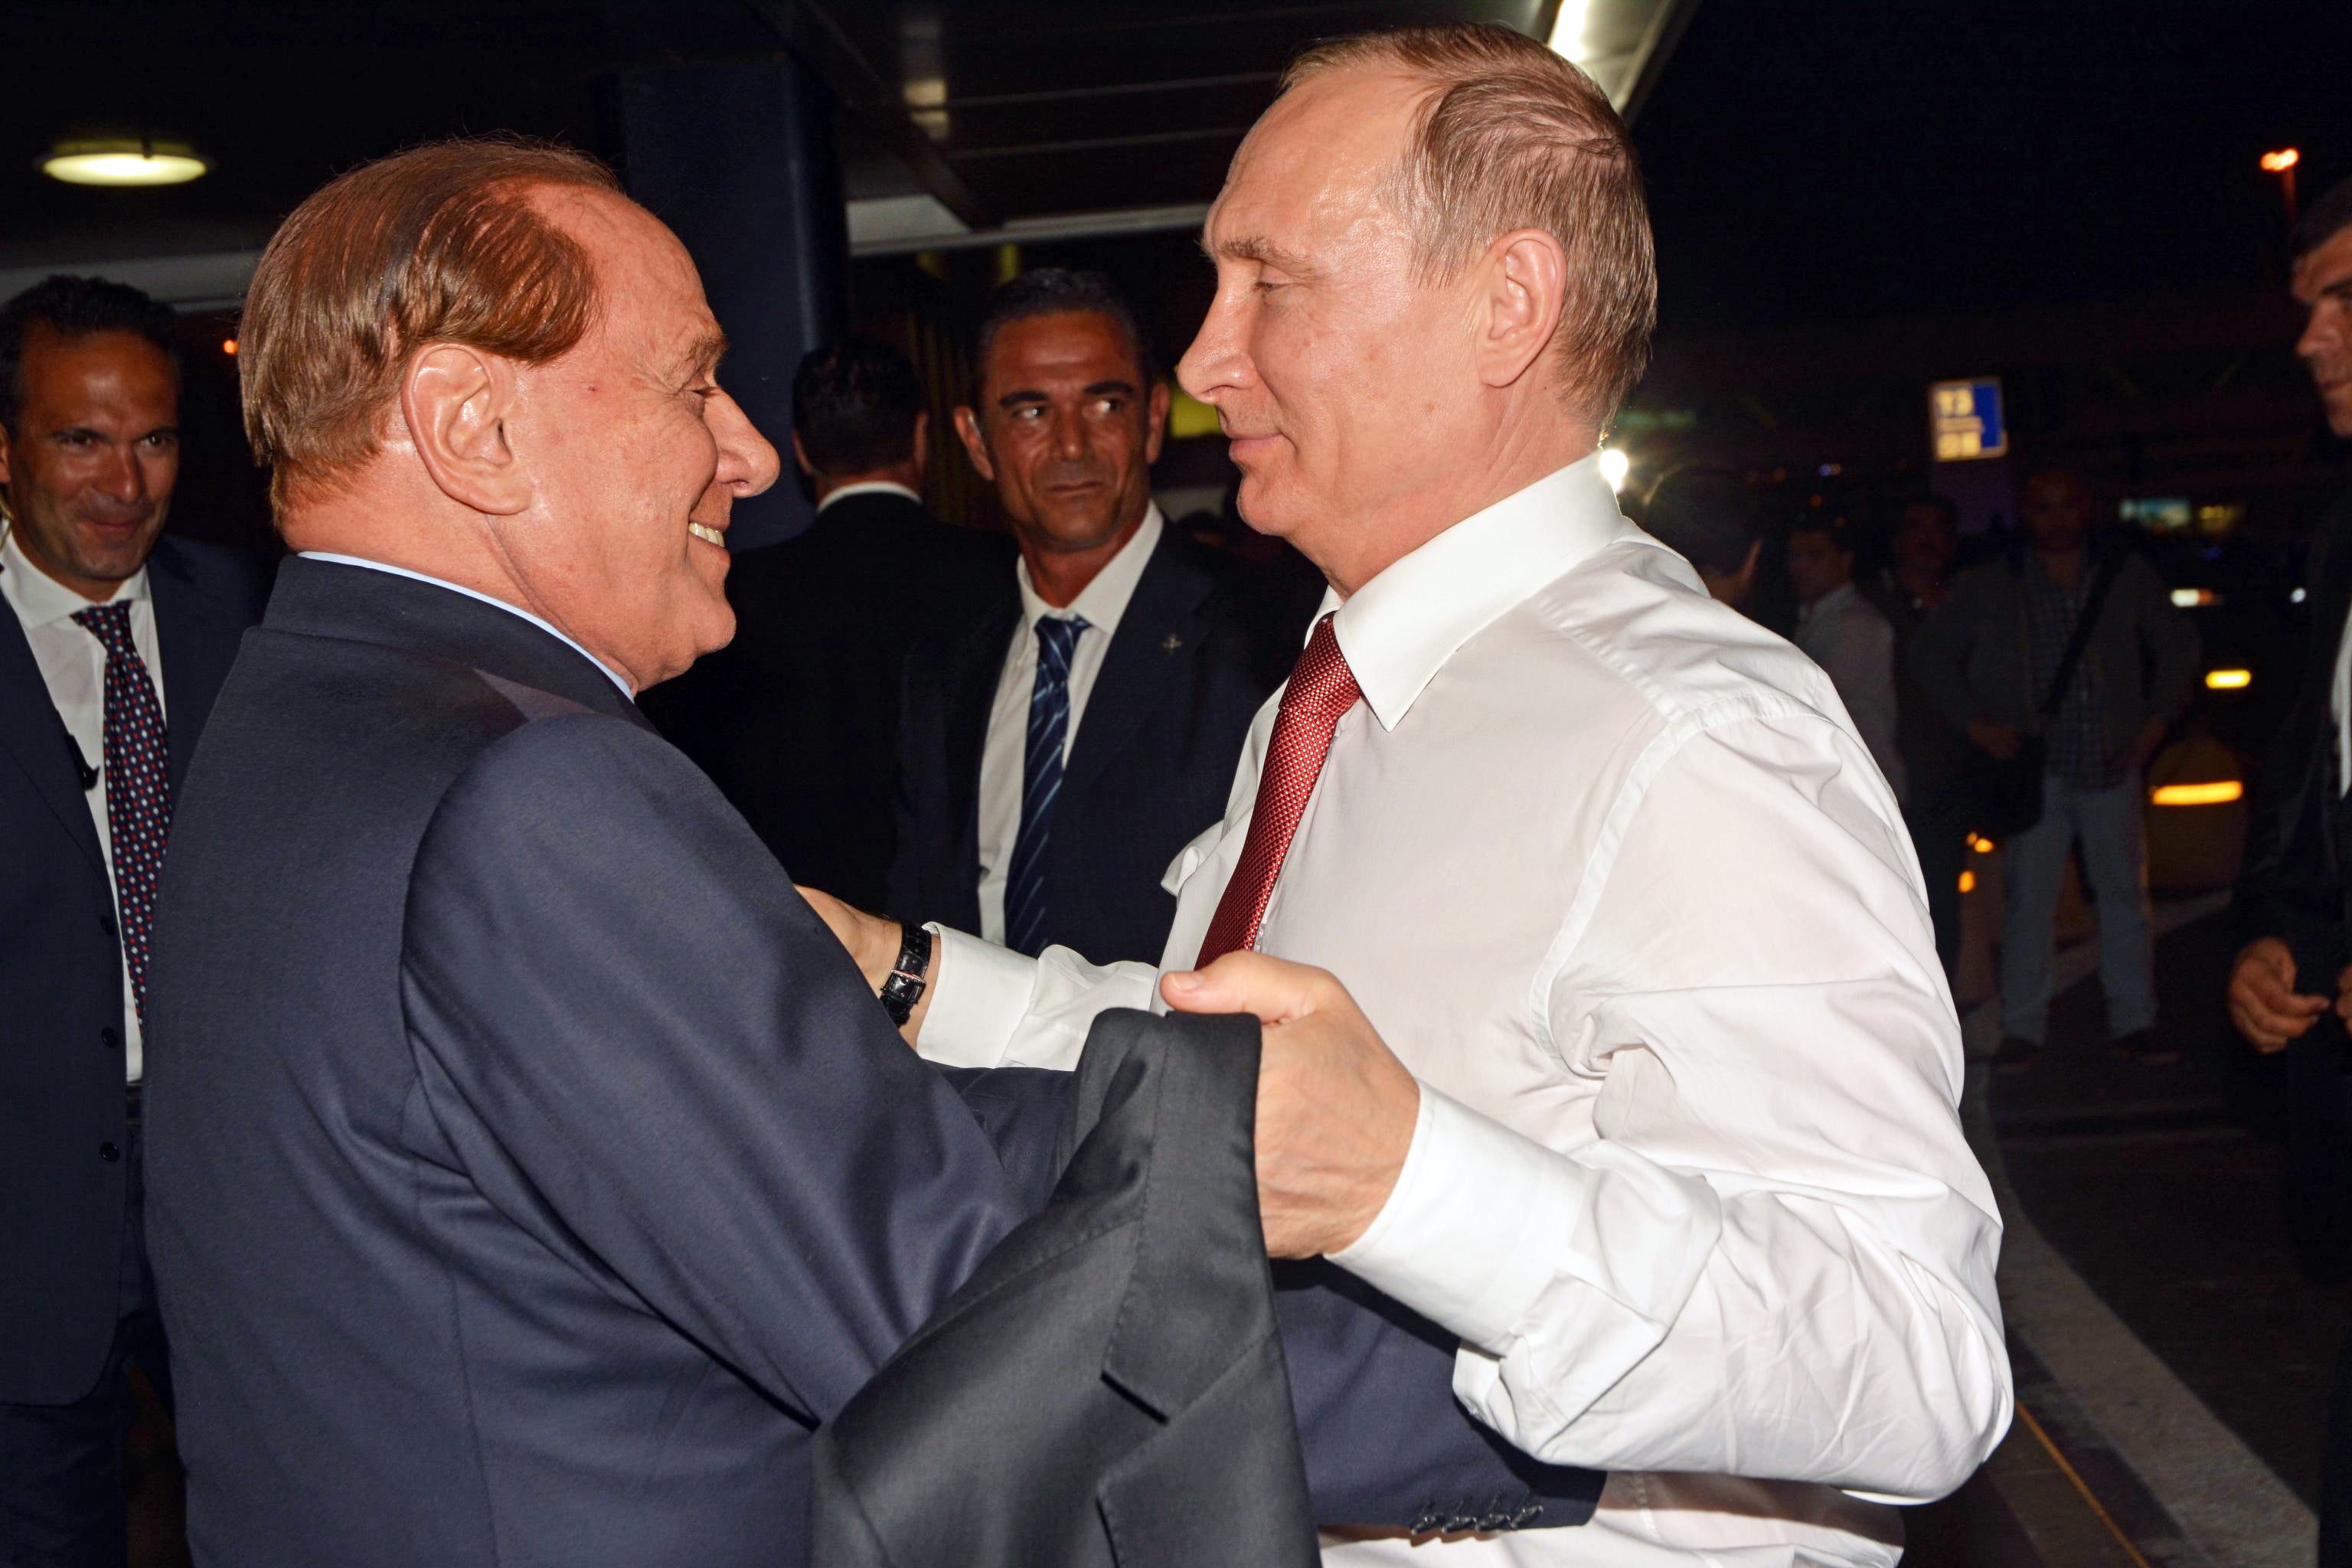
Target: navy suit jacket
<point x="531" y="1170"/>
<point x="61" y="1101"/>
<point x="1151" y="767"/>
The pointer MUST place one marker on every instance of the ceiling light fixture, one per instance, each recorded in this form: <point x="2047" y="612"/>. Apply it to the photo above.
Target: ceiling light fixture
<point x="1567" y="30"/>
<point x="123" y="163"/>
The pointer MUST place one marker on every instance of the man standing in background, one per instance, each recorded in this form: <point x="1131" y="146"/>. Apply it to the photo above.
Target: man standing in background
<point x="1990" y="659"/>
<point x="823" y="623"/>
<point x="1845" y="634"/>
<point x="117" y="642"/>
<point x="1927" y="536"/>
<point x="1057" y="750"/>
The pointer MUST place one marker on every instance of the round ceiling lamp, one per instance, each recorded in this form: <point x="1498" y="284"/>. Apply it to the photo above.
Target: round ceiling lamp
<point x="122" y="163"/>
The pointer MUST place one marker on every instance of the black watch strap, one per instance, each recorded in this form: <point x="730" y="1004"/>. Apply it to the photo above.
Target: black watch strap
<point x="909" y="975"/>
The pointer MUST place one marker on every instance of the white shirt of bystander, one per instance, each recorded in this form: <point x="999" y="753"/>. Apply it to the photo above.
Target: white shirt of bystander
<point x="1616" y="878"/>
<point x="1853" y="643"/>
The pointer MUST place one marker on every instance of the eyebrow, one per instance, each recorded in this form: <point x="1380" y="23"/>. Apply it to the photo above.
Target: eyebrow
<point x="1258" y="248"/>
<point x="1022" y="397"/>
<point x="705" y="351"/>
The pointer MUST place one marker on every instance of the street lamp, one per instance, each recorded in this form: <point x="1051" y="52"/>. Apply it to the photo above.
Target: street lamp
<point x="2281" y="163"/>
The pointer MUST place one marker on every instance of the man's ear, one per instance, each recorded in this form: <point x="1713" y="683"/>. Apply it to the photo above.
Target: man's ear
<point x="967" y="425"/>
<point x="457" y="402"/>
<point x="1158" y="434"/>
<point x="7" y="454"/>
<point x="921" y="455"/>
<point x="1522" y="291"/>
<point x="800" y="456"/>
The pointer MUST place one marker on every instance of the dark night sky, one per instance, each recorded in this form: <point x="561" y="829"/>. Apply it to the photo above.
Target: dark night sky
<point x="1818" y="159"/>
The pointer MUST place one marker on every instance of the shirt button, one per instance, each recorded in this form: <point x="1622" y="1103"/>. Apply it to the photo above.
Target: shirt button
<point x="109" y="1152"/>
<point x="110" y="1037"/>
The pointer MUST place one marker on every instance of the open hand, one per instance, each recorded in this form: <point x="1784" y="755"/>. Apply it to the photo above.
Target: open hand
<point x="1334" y="1109"/>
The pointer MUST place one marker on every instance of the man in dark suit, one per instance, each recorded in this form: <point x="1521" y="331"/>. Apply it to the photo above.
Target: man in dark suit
<point x="2295" y="890"/>
<point x="534" y="1172"/>
<point x="1058" y="749"/>
<point x="108" y="663"/>
<point x="823" y="623"/>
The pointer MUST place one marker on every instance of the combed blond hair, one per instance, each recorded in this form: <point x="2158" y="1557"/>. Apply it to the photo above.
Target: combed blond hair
<point x="437" y="243"/>
<point x="1512" y="136"/>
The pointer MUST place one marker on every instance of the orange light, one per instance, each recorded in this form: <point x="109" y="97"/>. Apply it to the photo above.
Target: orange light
<point x="1981" y="844"/>
<point x="2227" y="679"/>
<point x="1968" y="881"/>
<point x="228" y="347"/>
<point x="2220" y="792"/>
<point x="2280" y="162"/>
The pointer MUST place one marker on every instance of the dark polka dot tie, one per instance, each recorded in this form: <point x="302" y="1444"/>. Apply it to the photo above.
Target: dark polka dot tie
<point x="138" y="784"/>
<point x="1321" y="690"/>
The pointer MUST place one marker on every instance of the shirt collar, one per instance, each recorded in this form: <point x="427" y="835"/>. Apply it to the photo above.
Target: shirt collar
<point x="1101" y="602"/>
<point x="868" y="488"/>
<point x="610" y="674"/>
<point x="1399" y="629"/>
<point x="41" y="600"/>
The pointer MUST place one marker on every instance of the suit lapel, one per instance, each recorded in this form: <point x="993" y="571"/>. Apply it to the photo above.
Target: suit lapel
<point x="970" y="692"/>
<point x="1159" y="636"/>
<point x="36" y="738"/>
<point x="198" y="635"/>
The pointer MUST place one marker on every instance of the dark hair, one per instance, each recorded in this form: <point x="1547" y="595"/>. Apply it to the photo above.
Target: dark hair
<point x="2322" y="221"/>
<point x="1053" y="291"/>
<point x="1706" y="515"/>
<point x="854" y="406"/>
<point x="1835" y="526"/>
<point x="1941" y="505"/>
<point x="75" y="307"/>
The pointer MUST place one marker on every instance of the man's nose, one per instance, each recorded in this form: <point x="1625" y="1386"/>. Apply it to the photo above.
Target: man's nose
<point x="748" y="463"/>
<point x="1072" y="440"/>
<point x="123" y="478"/>
<point x="2322" y="332"/>
<point x="1215" y="363"/>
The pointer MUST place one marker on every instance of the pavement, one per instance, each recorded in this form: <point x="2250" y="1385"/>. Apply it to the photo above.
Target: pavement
<point x="2173" y="1366"/>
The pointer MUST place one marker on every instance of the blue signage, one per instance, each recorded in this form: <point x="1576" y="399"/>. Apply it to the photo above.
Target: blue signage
<point x="1965" y="420"/>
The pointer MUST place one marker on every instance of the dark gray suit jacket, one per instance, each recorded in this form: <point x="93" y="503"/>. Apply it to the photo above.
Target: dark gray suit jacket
<point x="531" y="1170"/>
<point x="61" y="1101"/>
<point x="1112" y="1387"/>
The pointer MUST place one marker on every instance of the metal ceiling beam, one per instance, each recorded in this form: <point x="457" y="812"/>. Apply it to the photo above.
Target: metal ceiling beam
<point x="867" y="96"/>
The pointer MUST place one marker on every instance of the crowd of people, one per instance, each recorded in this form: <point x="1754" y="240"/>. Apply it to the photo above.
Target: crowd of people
<point x="479" y="1141"/>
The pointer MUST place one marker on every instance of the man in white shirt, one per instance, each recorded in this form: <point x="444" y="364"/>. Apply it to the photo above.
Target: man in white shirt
<point x="112" y="644"/>
<point x="1058" y="747"/>
<point x="1668" y="1135"/>
<point x="1847" y="635"/>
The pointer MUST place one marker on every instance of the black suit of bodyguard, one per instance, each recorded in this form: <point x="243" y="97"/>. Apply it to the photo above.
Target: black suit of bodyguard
<point x="64" y="1185"/>
<point x="1191" y="662"/>
<point x="535" y="1172"/>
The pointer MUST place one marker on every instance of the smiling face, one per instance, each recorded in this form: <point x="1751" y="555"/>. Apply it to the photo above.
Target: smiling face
<point x="1348" y="388"/>
<point x="637" y="456"/>
<point x="89" y="465"/>
<point x="2323" y="282"/>
<point x="1067" y="430"/>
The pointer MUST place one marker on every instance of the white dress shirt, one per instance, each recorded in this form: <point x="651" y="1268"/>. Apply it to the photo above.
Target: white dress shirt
<point x="2339" y="708"/>
<point x="868" y="488"/>
<point x="73" y="666"/>
<point x="1853" y="643"/>
<point x="609" y="673"/>
<point x="1611" y="872"/>
<point x="1100" y="605"/>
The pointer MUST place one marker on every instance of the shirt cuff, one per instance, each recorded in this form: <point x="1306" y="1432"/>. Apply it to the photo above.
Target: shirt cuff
<point x="1462" y="1238"/>
<point x="983" y="992"/>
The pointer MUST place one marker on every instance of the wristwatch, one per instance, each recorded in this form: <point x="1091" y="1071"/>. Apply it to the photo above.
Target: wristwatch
<point x="909" y="975"/>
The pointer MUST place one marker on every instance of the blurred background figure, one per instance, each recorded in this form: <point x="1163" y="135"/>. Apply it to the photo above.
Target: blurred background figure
<point x="1916" y="580"/>
<point x="823" y="623"/>
<point x="109" y="664"/>
<point x="2293" y="895"/>
<point x="1058" y="748"/>
<point x="1846" y="635"/>
<point x="1707" y="516"/>
<point x="1992" y="659"/>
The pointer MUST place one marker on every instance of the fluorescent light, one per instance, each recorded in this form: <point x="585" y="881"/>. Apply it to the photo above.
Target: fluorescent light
<point x="1613" y="465"/>
<point x="2220" y="792"/>
<point x="122" y="165"/>
<point x="1567" y="29"/>
<point x="2227" y="679"/>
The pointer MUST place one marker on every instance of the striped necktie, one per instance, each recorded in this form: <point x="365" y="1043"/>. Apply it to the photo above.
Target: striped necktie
<point x="138" y="783"/>
<point x="1041" y="781"/>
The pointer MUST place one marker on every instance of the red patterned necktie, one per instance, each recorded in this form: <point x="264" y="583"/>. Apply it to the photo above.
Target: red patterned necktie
<point x="138" y="783"/>
<point x="1322" y="689"/>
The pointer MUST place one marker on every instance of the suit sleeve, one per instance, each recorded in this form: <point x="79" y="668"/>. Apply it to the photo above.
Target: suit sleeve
<point x="627" y="1024"/>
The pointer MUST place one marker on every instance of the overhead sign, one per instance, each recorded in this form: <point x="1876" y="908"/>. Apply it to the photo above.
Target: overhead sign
<point x="1965" y="420"/>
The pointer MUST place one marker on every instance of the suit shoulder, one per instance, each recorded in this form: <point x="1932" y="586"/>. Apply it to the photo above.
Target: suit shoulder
<point x="239" y="579"/>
